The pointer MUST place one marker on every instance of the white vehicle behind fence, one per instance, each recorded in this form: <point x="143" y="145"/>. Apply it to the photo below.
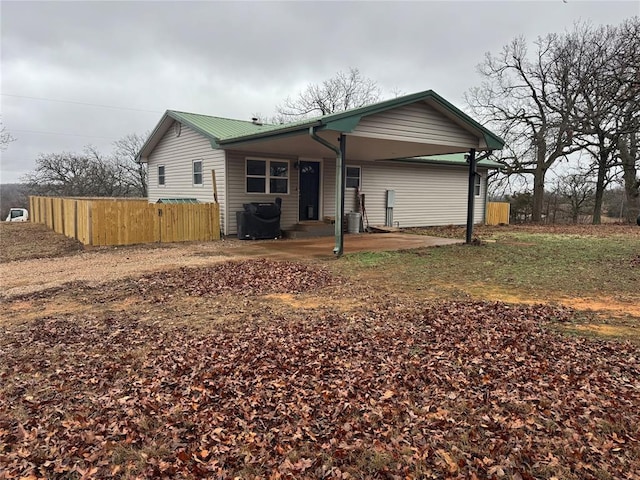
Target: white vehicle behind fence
<point x="18" y="215"/>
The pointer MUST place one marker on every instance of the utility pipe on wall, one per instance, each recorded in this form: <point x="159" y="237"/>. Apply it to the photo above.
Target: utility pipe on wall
<point x="340" y="167"/>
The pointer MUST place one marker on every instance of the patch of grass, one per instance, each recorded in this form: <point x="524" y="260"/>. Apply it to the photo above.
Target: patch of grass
<point x="590" y="273"/>
<point x="535" y="266"/>
<point x="372" y="461"/>
<point x="372" y="259"/>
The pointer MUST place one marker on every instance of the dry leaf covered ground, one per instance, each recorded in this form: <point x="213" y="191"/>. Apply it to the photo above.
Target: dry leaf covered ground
<point x="277" y="369"/>
<point x="222" y="372"/>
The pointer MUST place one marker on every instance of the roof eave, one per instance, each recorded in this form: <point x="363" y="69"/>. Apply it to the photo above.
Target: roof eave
<point x="161" y="128"/>
<point x="179" y="118"/>
<point x="346" y="122"/>
<point x="150" y="143"/>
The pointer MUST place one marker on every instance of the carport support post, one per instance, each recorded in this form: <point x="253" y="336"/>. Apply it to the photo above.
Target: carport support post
<point x="471" y="158"/>
<point x="340" y="184"/>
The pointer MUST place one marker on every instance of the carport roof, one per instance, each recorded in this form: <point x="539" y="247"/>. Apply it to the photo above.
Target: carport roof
<point x="227" y="133"/>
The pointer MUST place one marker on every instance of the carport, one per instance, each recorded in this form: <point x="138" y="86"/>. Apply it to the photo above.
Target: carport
<point x="422" y="124"/>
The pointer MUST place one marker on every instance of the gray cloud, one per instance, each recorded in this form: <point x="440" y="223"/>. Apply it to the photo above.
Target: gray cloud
<point x="236" y="58"/>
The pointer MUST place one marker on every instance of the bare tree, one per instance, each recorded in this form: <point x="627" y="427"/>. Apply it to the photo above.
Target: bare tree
<point x="608" y="109"/>
<point x="529" y="100"/>
<point x="344" y="91"/>
<point x="5" y="137"/>
<point x="578" y="190"/>
<point x="87" y="174"/>
<point x="125" y="153"/>
<point x="91" y="173"/>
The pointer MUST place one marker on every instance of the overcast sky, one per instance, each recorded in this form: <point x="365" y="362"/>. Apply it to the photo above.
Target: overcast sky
<point x="235" y="59"/>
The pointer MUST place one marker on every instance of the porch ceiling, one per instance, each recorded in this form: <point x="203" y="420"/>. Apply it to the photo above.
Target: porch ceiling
<point x="358" y="148"/>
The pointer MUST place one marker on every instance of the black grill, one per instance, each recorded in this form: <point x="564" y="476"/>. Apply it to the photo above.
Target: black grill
<point x="259" y="220"/>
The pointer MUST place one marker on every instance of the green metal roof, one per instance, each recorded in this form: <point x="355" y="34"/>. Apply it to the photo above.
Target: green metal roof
<point x="177" y="200"/>
<point x="226" y="131"/>
<point x="346" y="121"/>
<point x="449" y="159"/>
<point x="218" y="128"/>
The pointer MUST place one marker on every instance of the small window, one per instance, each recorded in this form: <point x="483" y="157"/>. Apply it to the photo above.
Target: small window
<point x="161" y="177"/>
<point x="477" y="185"/>
<point x="197" y="172"/>
<point x="353" y="177"/>
<point x="267" y="176"/>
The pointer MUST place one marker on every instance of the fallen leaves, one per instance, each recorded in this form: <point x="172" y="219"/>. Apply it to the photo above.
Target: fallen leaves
<point x="249" y="277"/>
<point x="399" y="389"/>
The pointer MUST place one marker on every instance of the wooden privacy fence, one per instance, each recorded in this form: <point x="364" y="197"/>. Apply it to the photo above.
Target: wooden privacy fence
<point x="498" y="213"/>
<point x="105" y="221"/>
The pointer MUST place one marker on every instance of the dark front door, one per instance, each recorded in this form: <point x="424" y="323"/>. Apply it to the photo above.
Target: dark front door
<point x="309" y="190"/>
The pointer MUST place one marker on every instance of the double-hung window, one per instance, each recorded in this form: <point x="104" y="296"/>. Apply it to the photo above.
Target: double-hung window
<point x="161" y="175"/>
<point x="353" y="177"/>
<point x="267" y="176"/>
<point x="477" y="185"/>
<point x="197" y="172"/>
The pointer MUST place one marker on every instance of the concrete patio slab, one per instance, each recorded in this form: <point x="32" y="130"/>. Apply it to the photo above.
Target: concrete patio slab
<point x="322" y="247"/>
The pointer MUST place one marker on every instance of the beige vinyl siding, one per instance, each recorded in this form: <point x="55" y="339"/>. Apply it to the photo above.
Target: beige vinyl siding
<point x="237" y="196"/>
<point x="415" y="123"/>
<point x="426" y="195"/>
<point x="177" y="155"/>
<point x="329" y="187"/>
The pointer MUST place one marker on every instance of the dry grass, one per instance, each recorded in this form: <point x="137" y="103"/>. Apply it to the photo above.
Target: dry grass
<point x="23" y="241"/>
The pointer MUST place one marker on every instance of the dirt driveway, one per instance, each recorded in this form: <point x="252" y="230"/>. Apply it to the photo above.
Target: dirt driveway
<point x="103" y="265"/>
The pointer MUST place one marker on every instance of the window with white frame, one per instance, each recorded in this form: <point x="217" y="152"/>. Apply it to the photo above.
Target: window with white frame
<point x="353" y="177"/>
<point x="267" y="176"/>
<point x="161" y="175"/>
<point x="477" y="184"/>
<point x="197" y="172"/>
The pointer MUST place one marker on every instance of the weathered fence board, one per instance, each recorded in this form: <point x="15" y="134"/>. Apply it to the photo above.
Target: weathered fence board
<point x="126" y="221"/>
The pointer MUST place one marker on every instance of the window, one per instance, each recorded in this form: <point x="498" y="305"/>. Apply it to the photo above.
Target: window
<point x="353" y="177"/>
<point x="477" y="182"/>
<point x="161" y="177"/>
<point x="197" y="172"/>
<point x="267" y="176"/>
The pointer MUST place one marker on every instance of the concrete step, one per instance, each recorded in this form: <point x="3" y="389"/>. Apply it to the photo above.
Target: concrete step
<point x="312" y="226"/>
<point x="310" y="230"/>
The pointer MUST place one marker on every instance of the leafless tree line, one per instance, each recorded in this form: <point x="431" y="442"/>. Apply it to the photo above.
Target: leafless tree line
<point x="91" y="173"/>
<point x="571" y="93"/>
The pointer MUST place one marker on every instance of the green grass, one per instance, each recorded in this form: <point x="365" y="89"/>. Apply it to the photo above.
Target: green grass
<point x="525" y="264"/>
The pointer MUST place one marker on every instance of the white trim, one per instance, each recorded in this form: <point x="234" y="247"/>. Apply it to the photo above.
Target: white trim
<point x="193" y="172"/>
<point x="267" y="176"/>
<point x="164" y="176"/>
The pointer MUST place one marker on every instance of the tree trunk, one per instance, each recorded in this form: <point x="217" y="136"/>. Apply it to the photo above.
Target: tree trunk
<point x="600" y="184"/>
<point x="603" y="157"/>
<point x="538" y="194"/>
<point x="629" y="157"/>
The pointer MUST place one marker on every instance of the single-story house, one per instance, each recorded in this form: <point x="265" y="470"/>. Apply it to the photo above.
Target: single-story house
<point x="413" y="145"/>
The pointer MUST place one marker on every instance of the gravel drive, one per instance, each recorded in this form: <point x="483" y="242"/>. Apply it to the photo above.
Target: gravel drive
<point x="104" y="265"/>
